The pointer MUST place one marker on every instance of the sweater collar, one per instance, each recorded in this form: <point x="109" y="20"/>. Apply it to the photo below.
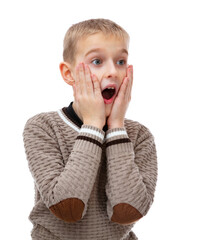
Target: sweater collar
<point x="71" y="114"/>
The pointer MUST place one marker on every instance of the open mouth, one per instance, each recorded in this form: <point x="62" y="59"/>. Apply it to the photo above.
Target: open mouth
<point x="108" y="93"/>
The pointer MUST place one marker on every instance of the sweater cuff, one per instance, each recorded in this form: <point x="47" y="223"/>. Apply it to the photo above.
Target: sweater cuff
<point x="117" y="141"/>
<point x="92" y="131"/>
<point x="90" y="138"/>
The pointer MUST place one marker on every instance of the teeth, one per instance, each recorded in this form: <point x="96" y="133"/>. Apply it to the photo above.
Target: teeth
<point x="110" y="88"/>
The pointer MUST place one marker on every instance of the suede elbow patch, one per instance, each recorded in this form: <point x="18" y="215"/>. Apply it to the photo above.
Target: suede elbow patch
<point x="124" y="213"/>
<point x="69" y="210"/>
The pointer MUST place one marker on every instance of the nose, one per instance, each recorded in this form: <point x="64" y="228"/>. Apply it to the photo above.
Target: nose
<point x="111" y="70"/>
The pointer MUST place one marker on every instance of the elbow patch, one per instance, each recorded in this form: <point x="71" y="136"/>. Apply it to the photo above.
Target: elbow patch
<point x="69" y="210"/>
<point x="125" y="214"/>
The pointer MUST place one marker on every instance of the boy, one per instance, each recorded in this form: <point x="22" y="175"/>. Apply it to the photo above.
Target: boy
<point x="95" y="171"/>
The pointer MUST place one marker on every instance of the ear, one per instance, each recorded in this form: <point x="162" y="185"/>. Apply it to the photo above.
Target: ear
<point x="66" y="73"/>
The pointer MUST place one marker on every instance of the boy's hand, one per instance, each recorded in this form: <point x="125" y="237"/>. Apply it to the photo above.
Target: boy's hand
<point x="121" y="102"/>
<point x="87" y="94"/>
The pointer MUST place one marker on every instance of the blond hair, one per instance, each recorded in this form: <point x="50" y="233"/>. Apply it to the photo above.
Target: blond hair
<point x="86" y="28"/>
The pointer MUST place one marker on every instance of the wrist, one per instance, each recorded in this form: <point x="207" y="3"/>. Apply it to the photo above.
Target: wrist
<point x="116" y="125"/>
<point x="94" y="124"/>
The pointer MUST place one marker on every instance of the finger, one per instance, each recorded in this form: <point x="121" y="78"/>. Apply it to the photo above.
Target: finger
<point x="129" y="74"/>
<point x="130" y="78"/>
<point x="89" y="83"/>
<point x="77" y="81"/>
<point x="123" y="87"/>
<point x="82" y="78"/>
<point x="127" y="83"/>
<point x="96" y="85"/>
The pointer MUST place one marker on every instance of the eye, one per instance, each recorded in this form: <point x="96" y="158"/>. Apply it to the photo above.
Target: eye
<point x="121" y="62"/>
<point x="97" y="61"/>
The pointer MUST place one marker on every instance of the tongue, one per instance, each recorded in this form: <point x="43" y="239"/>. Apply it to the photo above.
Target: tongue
<point x="108" y="93"/>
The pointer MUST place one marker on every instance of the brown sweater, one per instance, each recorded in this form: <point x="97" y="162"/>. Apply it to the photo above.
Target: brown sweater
<point x="89" y="183"/>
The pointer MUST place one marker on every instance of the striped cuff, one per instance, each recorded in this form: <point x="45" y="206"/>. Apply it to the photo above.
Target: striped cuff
<point x="92" y="131"/>
<point x="116" y="132"/>
<point x="117" y="140"/>
<point x="89" y="139"/>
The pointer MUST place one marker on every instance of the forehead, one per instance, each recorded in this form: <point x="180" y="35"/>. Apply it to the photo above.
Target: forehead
<point x="101" y="43"/>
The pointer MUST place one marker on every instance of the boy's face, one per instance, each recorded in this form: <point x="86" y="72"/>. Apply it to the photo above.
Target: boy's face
<point x="107" y="58"/>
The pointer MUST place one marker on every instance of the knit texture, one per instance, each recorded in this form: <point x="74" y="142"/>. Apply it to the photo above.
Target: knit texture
<point x="89" y="183"/>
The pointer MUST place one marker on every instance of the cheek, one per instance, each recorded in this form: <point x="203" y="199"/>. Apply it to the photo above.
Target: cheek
<point x="122" y="75"/>
<point x="124" y="71"/>
<point x="96" y="71"/>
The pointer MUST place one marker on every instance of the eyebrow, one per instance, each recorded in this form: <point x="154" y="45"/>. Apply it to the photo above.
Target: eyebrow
<point x="99" y="49"/>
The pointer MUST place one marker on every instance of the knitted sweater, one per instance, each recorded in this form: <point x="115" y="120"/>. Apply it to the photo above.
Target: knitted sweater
<point x="89" y="183"/>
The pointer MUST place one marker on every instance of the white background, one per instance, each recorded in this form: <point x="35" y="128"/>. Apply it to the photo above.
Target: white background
<point x="172" y="50"/>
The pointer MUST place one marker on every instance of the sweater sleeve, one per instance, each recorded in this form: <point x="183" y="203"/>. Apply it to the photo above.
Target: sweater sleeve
<point x="132" y="175"/>
<point x="64" y="188"/>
